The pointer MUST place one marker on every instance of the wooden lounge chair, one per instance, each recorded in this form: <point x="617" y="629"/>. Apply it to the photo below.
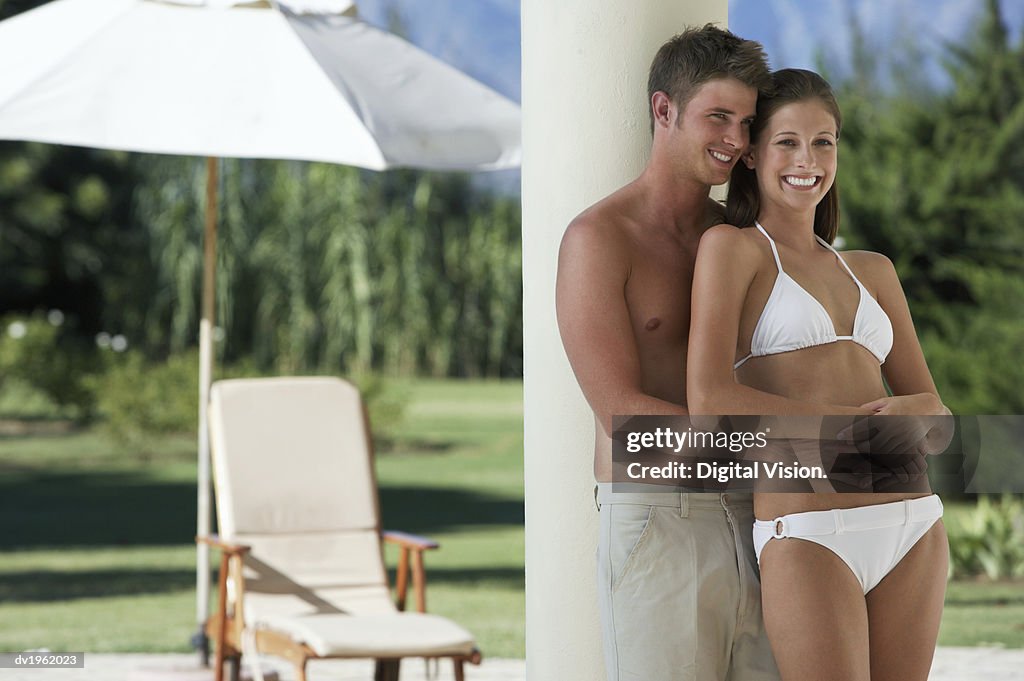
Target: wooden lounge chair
<point x="301" y="572"/>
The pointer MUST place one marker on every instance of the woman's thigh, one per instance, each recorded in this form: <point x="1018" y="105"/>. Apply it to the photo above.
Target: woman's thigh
<point x="814" y="613"/>
<point x="905" y="609"/>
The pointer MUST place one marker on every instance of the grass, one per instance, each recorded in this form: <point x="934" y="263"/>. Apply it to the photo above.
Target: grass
<point x="983" y="614"/>
<point x="96" y="548"/>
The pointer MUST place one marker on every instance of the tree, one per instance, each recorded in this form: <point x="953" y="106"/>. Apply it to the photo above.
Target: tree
<point x="936" y="181"/>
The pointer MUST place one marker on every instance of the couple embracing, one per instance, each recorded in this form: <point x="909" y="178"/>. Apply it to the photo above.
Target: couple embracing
<point x="669" y="303"/>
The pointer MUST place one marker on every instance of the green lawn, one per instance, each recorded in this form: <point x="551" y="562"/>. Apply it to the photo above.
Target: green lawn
<point x="96" y="548"/>
<point x="983" y="614"/>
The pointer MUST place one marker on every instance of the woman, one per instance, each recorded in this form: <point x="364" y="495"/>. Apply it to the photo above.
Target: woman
<point x="852" y="584"/>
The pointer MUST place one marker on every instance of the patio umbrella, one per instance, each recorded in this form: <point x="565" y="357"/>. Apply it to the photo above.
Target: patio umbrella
<point x="289" y="79"/>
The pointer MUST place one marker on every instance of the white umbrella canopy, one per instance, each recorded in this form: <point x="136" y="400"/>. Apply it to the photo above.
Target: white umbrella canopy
<point x="290" y="79"/>
<point x="244" y="80"/>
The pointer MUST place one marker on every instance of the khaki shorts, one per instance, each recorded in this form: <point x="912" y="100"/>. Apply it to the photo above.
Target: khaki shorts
<point x="678" y="588"/>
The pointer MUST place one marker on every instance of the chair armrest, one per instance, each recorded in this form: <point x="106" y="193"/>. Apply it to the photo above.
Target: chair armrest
<point x="229" y="552"/>
<point x="411" y="541"/>
<point x="414" y="545"/>
<point x="217" y="543"/>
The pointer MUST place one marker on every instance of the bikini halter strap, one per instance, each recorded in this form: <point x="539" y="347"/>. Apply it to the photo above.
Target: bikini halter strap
<point x="771" y="242"/>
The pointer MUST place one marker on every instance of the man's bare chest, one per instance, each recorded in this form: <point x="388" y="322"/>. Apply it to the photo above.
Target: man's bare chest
<point x="658" y="297"/>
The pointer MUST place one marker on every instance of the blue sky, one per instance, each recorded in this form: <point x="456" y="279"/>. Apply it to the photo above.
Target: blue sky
<point x="481" y="37"/>
<point x="796" y="32"/>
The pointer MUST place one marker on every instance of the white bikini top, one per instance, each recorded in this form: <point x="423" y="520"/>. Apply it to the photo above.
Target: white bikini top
<point x="793" y="319"/>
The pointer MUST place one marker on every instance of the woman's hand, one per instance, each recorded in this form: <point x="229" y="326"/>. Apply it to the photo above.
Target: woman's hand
<point x="931" y="423"/>
<point x="922" y="404"/>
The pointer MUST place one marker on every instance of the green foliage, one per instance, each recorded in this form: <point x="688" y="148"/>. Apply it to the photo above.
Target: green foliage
<point x="37" y="352"/>
<point x="989" y="540"/>
<point x="66" y="237"/>
<point x="935" y="180"/>
<point x="386" y="404"/>
<point x="142" y="401"/>
<point x="328" y="269"/>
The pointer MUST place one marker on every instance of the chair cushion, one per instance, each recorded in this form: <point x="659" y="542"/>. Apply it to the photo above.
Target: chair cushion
<point x="392" y="635"/>
<point x="291" y="455"/>
<point x="320" y="572"/>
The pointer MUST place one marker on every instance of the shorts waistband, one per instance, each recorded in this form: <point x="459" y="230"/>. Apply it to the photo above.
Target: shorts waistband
<point x="837" y="521"/>
<point x="677" y="500"/>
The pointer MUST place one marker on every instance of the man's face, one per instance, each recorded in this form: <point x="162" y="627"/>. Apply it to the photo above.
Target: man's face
<point x="713" y="129"/>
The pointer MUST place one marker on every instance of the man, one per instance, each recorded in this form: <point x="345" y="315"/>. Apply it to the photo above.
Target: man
<point x="679" y="593"/>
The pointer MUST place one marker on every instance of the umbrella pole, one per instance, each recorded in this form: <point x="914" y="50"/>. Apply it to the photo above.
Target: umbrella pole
<point x="200" y="640"/>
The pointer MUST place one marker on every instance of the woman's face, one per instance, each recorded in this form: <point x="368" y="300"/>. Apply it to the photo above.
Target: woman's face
<point x="795" y="156"/>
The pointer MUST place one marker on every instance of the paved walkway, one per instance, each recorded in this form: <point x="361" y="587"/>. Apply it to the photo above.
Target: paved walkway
<point x="951" y="664"/>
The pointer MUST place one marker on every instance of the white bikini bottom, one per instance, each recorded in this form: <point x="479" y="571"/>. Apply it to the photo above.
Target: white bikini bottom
<point x="871" y="540"/>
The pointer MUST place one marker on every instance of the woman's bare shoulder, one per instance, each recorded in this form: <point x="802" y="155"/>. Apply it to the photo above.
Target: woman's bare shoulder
<point x="870" y="264"/>
<point x="739" y="248"/>
<point x="724" y="235"/>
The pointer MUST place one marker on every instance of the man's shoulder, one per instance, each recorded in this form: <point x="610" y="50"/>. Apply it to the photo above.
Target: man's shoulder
<point x="607" y="223"/>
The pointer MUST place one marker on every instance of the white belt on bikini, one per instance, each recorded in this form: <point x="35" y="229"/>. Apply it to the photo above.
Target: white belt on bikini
<point x="837" y="521"/>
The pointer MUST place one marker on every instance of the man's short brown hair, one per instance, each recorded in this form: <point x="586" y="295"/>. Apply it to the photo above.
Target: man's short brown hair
<point x="698" y="55"/>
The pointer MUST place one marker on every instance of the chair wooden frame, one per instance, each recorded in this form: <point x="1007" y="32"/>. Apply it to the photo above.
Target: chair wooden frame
<point x="225" y="628"/>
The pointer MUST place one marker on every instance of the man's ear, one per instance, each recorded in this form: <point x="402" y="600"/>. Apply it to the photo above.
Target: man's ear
<point x="748" y="158"/>
<point x="661" y="105"/>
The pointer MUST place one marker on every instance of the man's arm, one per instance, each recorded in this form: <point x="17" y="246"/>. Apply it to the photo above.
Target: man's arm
<point x="593" y="319"/>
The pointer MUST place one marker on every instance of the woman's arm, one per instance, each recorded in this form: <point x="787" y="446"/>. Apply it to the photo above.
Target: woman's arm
<point x="905" y="369"/>
<point x="726" y="264"/>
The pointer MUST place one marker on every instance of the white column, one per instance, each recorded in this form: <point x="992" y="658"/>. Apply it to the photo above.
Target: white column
<point x="585" y="133"/>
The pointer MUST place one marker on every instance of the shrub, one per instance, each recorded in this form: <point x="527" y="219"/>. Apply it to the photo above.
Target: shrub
<point x="989" y="540"/>
<point x="37" y="351"/>
<point x="143" y="401"/>
<point x="385" y="404"/>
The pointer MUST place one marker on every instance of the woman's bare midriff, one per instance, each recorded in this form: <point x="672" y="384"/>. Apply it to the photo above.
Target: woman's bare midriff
<point x="841" y="373"/>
